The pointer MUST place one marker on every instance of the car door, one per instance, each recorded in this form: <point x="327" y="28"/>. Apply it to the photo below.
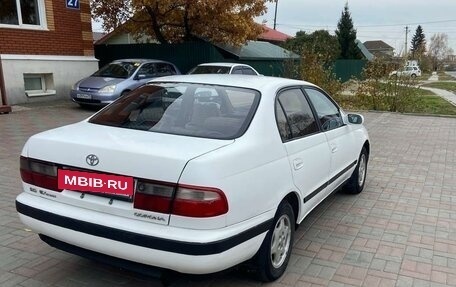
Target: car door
<point x="306" y="146"/>
<point x="340" y="139"/>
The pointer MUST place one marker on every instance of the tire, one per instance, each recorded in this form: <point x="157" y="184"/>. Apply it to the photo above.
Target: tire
<point x="84" y="106"/>
<point x="357" y="180"/>
<point x="274" y="254"/>
<point x="413" y="76"/>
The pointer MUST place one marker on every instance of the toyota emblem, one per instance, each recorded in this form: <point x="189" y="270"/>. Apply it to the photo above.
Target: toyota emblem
<point x="92" y="160"/>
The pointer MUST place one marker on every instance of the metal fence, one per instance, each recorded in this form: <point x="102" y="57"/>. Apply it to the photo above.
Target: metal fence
<point x="348" y="69"/>
<point x="185" y="56"/>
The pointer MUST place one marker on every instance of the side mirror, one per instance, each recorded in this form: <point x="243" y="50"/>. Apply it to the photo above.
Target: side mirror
<point x="141" y="77"/>
<point x="355" y="119"/>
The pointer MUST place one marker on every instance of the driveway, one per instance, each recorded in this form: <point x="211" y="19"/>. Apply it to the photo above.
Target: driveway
<point x="401" y="231"/>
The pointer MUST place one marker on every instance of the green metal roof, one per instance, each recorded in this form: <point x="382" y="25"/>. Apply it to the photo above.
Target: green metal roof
<point x="258" y="50"/>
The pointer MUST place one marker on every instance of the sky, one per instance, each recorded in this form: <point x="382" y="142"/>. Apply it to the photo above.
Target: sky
<point x="373" y="19"/>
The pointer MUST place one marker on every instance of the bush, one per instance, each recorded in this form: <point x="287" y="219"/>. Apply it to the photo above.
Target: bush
<point x="313" y="69"/>
<point x="379" y="91"/>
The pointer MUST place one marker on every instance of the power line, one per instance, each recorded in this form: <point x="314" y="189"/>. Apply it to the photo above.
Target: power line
<point x="405" y="24"/>
<point x="297" y="26"/>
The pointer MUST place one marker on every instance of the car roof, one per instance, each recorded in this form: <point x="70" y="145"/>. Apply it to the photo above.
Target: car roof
<point x="140" y="60"/>
<point x="260" y="83"/>
<point x="223" y="64"/>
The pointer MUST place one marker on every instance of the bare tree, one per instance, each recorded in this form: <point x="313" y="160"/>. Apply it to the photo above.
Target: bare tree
<point x="439" y="49"/>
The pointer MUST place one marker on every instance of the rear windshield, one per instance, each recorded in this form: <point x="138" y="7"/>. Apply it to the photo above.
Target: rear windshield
<point x="208" y="111"/>
<point x="121" y="70"/>
<point x="210" y="70"/>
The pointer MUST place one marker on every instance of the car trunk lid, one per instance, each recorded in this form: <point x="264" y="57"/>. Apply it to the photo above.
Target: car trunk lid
<point x="124" y="152"/>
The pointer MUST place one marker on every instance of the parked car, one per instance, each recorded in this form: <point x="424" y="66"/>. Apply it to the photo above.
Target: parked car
<point x="118" y="78"/>
<point x="193" y="173"/>
<point x="223" y="68"/>
<point x="411" y="71"/>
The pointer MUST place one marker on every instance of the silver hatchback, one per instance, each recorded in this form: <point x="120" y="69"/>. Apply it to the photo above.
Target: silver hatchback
<point x="118" y="78"/>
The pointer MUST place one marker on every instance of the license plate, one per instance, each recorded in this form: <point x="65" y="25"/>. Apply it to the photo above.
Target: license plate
<point x="95" y="182"/>
<point x="83" y="96"/>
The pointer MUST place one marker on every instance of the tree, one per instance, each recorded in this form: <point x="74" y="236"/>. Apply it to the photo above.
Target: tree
<point x="346" y="34"/>
<point x="418" y="47"/>
<point x="171" y="21"/>
<point x="320" y="43"/>
<point x="439" y="49"/>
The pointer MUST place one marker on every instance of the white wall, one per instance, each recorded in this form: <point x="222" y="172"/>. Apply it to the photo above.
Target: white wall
<point x="65" y="70"/>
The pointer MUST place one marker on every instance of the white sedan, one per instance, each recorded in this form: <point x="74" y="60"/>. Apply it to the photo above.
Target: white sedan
<point x="193" y="173"/>
<point x="224" y="68"/>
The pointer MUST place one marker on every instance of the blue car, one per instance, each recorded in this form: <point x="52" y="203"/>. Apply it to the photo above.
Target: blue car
<point x="118" y="78"/>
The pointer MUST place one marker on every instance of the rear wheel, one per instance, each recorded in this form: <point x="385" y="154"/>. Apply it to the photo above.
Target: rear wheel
<point x="356" y="182"/>
<point x="274" y="254"/>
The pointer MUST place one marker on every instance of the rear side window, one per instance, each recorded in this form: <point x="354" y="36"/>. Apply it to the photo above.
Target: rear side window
<point x="300" y="120"/>
<point x="208" y="111"/>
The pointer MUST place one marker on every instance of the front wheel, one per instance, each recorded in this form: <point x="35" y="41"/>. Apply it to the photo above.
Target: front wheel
<point x="356" y="182"/>
<point x="274" y="254"/>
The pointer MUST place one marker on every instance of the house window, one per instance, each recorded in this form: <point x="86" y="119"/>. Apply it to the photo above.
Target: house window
<point x="34" y="83"/>
<point x="38" y="85"/>
<point x="23" y="13"/>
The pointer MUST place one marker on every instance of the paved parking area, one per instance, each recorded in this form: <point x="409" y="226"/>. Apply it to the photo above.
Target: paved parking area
<point x="401" y="231"/>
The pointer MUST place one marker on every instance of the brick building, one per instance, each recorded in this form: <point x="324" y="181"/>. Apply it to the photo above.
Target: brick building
<point x="45" y="47"/>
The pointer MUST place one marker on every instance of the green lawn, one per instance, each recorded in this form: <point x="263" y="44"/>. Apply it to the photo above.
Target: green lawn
<point x="449" y="86"/>
<point x="425" y="102"/>
<point x="429" y="104"/>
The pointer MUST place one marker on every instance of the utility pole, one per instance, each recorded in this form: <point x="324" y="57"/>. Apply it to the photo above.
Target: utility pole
<point x="275" y="14"/>
<point x="406" y="41"/>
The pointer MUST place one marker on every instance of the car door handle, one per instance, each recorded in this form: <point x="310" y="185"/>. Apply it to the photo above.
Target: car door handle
<point x="298" y="163"/>
<point x="333" y="148"/>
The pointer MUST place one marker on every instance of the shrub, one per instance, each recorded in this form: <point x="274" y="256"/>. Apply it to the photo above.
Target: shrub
<point x="379" y="91"/>
<point x="314" y="70"/>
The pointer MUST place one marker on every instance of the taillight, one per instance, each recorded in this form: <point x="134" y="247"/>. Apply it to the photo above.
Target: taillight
<point x="39" y="173"/>
<point x="183" y="200"/>
<point x="195" y="201"/>
<point x="153" y="196"/>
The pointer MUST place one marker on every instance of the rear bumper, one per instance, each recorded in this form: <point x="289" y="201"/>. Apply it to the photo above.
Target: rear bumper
<point x="198" y="255"/>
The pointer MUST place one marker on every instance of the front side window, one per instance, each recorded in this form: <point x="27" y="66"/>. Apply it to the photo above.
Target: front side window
<point x="300" y="120"/>
<point x="20" y="12"/>
<point x="208" y="111"/>
<point x="248" y="71"/>
<point x="147" y="71"/>
<point x="164" y="69"/>
<point x="328" y="113"/>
